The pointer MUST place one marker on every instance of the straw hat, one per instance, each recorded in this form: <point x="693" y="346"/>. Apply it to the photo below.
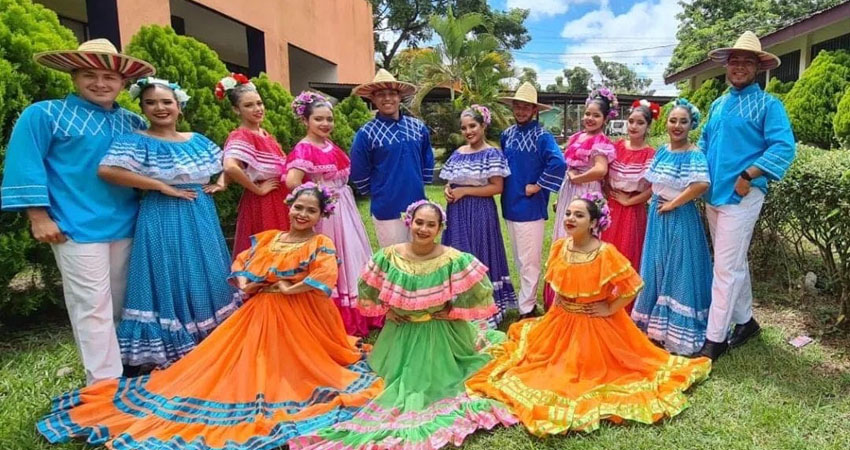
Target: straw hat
<point x="747" y="42"/>
<point x="95" y="54"/>
<point x="526" y="93"/>
<point x="384" y="80"/>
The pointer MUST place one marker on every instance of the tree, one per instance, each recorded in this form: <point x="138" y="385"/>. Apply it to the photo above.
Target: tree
<point x="620" y="78"/>
<point x="407" y="21"/>
<point x="709" y="91"/>
<point x="813" y="101"/>
<point x="578" y="80"/>
<point x="708" y="24"/>
<point x="841" y="122"/>
<point x="527" y="74"/>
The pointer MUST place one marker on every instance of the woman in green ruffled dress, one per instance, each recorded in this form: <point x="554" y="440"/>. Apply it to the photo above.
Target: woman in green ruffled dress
<point x="428" y="347"/>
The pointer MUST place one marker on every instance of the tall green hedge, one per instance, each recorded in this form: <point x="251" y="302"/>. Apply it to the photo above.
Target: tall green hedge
<point x="813" y="101"/>
<point x="28" y="274"/>
<point x="841" y="122"/>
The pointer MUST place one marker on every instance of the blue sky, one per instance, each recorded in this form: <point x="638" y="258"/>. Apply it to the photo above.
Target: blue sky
<point x="567" y="33"/>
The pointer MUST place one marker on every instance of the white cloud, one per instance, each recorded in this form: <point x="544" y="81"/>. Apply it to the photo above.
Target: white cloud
<point x="650" y="23"/>
<point x="544" y="8"/>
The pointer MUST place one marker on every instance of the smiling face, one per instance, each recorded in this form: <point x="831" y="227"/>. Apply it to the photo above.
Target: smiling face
<point x="593" y="120"/>
<point x="98" y="86"/>
<point x="741" y="68"/>
<point x="305" y="211"/>
<point x="472" y="131"/>
<point x="523" y="112"/>
<point x="678" y="125"/>
<point x="426" y="225"/>
<point x="637" y="125"/>
<point x="160" y="106"/>
<point x="387" y="101"/>
<point x="321" y="122"/>
<point x="577" y="220"/>
<point x="250" y="108"/>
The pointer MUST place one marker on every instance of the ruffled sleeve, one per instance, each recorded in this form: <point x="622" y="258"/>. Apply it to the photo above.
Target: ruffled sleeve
<point x="678" y="169"/>
<point x="323" y="269"/>
<point x="454" y="277"/>
<point x="461" y="168"/>
<point x="331" y="163"/>
<point x="609" y="276"/>
<point x="262" y="154"/>
<point x="244" y="265"/>
<point x="194" y="159"/>
<point x="581" y="154"/>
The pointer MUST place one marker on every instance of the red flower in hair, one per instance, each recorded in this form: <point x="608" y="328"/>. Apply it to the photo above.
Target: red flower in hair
<point x="219" y="90"/>
<point x="242" y="79"/>
<point x="654" y="109"/>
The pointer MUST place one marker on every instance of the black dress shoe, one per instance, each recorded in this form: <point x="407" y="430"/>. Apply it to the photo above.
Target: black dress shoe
<point x="742" y="333"/>
<point x="713" y="349"/>
<point x="529" y="315"/>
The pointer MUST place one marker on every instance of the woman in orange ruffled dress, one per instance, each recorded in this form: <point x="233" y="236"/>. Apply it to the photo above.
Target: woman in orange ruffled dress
<point x="585" y="361"/>
<point x="279" y="367"/>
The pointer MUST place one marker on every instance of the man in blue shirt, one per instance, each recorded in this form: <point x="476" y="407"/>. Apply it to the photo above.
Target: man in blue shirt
<point x="748" y="141"/>
<point x="391" y="157"/>
<point x="51" y="175"/>
<point x="537" y="168"/>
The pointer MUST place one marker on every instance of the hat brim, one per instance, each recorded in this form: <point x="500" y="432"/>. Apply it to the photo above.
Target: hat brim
<point x="70" y="60"/>
<point x="367" y="89"/>
<point x="767" y="61"/>
<point x="510" y="101"/>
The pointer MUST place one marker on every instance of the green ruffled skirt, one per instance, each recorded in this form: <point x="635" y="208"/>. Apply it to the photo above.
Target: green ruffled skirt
<point x="424" y="405"/>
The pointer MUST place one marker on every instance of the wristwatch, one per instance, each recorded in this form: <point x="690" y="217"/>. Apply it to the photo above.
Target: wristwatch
<point x="746" y="175"/>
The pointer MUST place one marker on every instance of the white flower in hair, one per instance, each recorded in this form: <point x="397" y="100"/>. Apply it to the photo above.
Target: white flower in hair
<point x="644" y="102"/>
<point x="229" y="83"/>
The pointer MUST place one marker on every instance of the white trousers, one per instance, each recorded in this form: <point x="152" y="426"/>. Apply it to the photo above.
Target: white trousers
<point x="390" y="232"/>
<point x="527" y="245"/>
<point x="94" y="280"/>
<point x="731" y="229"/>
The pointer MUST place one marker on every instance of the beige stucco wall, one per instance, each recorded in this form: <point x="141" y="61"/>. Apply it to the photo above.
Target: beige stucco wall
<point x="339" y="31"/>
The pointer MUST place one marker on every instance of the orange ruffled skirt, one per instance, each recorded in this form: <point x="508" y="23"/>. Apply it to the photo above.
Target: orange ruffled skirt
<point x="568" y="371"/>
<point x="279" y="367"/>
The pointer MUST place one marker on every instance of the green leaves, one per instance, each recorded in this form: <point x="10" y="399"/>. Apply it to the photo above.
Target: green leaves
<point x="813" y="101"/>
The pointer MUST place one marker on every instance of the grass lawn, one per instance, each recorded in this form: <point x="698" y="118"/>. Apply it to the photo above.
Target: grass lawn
<point x="767" y="395"/>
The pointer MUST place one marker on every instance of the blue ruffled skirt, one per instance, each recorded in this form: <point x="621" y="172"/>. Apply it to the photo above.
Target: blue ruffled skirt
<point x="676" y="268"/>
<point x="177" y="290"/>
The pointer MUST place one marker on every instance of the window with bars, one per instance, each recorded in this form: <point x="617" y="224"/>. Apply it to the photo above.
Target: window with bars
<point x="838" y="43"/>
<point x="789" y="67"/>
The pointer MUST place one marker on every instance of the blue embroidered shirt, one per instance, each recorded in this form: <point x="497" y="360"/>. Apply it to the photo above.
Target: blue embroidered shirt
<point x="746" y="127"/>
<point x="52" y="160"/>
<point x="392" y="160"/>
<point x="533" y="158"/>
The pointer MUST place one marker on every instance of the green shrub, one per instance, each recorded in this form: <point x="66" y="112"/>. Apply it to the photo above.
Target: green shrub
<point x="809" y="208"/>
<point x="841" y="122"/>
<point x="813" y="100"/>
<point x="194" y="66"/>
<point x="659" y="126"/>
<point x="355" y="110"/>
<point x="778" y="88"/>
<point x="343" y="134"/>
<point x="710" y="90"/>
<point x="28" y="274"/>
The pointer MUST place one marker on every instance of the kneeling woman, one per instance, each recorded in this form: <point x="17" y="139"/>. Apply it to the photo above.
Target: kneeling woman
<point x="427" y="348"/>
<point x="585" y="361"/>
<point x="279" y="367"/>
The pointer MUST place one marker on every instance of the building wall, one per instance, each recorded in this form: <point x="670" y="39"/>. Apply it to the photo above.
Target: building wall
<point x="338" y="31"/>
<point x="802" y="42"/>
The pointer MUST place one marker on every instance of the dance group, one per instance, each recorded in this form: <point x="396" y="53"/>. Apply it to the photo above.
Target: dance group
<point x="260" y="348"/>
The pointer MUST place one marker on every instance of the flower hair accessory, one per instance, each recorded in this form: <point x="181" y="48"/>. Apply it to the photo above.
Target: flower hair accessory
<point x="604" y="92"/>
<point x="478" y="111"/>
<point x="328" y="194"/>
<point x="654" y="108"/>
<point x="692" y="110"/>
<point x="604" y="220"/>
<point x="408" y="214"/>
<point x="179" y="93"/>
<point x="230" y="82"/>
<point x="299" y="105"/>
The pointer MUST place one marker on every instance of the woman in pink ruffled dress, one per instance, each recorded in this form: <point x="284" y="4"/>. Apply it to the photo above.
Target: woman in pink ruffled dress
<point x="315" y="158"/>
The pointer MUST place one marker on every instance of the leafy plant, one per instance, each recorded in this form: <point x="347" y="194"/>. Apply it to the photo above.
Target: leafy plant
<point x="813" y="101"/>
